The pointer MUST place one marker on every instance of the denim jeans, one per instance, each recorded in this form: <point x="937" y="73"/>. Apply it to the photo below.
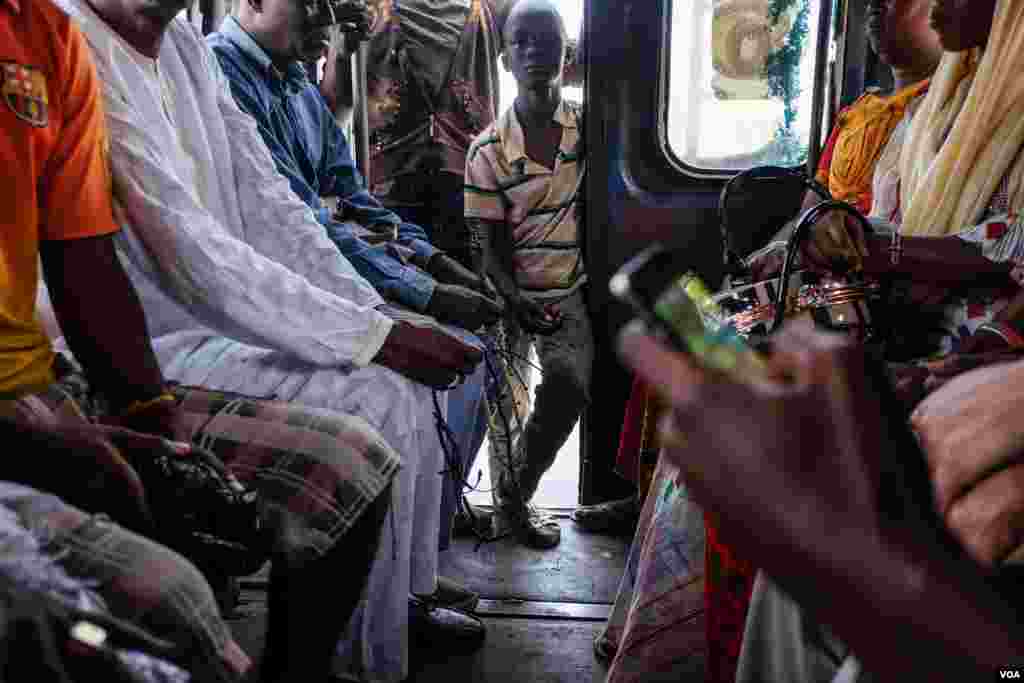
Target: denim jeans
<point x="141" y="582"/>
<point x="467" y="418"/>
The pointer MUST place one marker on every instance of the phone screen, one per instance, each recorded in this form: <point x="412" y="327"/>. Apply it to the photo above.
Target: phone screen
<point x="688" y="305"/>
<point x="681" y="308"/>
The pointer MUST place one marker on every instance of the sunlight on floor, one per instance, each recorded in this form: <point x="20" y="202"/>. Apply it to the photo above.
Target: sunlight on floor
<point x="560" y="486"/>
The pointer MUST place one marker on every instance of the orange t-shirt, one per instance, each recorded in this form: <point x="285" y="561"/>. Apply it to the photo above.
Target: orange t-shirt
<point x="56" y="186"/>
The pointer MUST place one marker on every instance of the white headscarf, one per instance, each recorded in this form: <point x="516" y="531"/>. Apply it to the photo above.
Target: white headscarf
<point x="947" y="180"/>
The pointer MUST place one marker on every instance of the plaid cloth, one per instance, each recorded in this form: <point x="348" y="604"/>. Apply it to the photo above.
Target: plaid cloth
<point x="318" y="469"/>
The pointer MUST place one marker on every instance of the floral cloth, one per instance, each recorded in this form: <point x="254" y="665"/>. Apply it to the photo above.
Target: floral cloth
<point x="937" y="320"/>
<point x="657" y="625"/>
<point x="432" y="84"/>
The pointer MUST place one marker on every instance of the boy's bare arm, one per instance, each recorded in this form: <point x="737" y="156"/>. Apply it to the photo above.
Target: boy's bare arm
<point x="493" y="257"/>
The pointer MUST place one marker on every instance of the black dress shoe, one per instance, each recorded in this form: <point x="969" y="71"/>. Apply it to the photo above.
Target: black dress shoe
<point x="431" y="625"/>
<point x="453" y="595"/>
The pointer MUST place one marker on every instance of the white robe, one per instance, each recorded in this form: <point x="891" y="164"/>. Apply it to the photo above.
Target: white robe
<point x="243" y="291"/>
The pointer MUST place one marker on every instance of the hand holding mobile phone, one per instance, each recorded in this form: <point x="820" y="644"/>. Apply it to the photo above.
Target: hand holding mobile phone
<point x="680" y="309"/>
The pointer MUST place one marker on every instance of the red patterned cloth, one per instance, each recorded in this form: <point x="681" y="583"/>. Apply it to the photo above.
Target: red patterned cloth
<point x="728" y="583"/>
<point x="632" y="434"/>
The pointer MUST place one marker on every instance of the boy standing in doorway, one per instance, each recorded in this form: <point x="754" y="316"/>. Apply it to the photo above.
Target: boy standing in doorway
<point x="523" y="180"/>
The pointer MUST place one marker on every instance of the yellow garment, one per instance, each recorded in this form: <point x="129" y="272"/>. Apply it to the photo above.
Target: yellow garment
<point x="947" y="180"/>
<point x="861" y="133"/>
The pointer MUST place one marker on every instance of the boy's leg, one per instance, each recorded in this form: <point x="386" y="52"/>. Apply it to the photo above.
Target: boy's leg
<point x="508" y="399"/>
<point x="566" y="357"/>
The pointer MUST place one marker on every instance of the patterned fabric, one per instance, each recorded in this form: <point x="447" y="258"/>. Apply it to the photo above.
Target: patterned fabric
<point x="538" y="204"/>
<point x="857" y="140"/>
<point x="658" y="620"/>
<point x="320" y="470"/>
<point x="939" y="319"/>
<point x="432" y="82"/>
<point x="637" y="456"/>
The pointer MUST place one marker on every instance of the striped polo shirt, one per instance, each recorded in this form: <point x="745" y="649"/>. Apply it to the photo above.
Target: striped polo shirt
<point x="536" y="203"/>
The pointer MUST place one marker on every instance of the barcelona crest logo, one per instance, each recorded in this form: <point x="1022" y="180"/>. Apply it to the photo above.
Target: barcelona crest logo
<point x="24" y="91"/>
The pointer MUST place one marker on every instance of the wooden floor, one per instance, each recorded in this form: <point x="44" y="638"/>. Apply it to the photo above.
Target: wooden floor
<point x="542" y="610"/>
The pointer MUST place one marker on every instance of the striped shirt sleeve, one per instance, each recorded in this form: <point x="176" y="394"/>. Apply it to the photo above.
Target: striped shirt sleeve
<point x="484" y="198"/>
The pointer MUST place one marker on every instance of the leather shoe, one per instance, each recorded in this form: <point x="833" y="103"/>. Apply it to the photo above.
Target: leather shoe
<point x="531" y="527"/>
<point x="610" y="517"/>
<point x="451" y="594"/>
<point x="431" y="625"/>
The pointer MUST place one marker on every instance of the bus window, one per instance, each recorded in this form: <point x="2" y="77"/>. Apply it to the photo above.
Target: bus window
<point x="740" y="82"/>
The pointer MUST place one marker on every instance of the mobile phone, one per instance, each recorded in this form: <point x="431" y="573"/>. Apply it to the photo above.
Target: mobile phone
<point x="677" y="307"/>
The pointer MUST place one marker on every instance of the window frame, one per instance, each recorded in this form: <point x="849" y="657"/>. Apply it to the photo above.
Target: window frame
<point x="823" y="37"/>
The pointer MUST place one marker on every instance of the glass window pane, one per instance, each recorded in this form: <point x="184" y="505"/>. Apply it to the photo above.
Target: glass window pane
<point x="741" y="82"/>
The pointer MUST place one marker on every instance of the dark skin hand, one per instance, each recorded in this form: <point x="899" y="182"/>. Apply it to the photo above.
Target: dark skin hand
<point x="444" y="268"/>
<point x="970" y="431"/>
<point x="494" y="259"/>
<point x="463" y="307"/>
<point x="104" y="325"/>
<point x="426" y="355"/>
<point x="943" y="260"/>
<point x="752" y="453"/>
<point x="912" y="381"/>
<point x="92" y="474"/>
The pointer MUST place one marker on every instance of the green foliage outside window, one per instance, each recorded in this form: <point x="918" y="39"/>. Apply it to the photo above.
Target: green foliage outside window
<point x="782" y="70"/>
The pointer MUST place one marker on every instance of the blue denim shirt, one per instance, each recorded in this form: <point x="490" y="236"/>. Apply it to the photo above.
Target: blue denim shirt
<point x="310" y="150"/>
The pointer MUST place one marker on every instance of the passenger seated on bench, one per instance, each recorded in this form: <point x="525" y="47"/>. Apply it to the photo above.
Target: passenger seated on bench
<point x="58" y="209"/>
<point x="948" y="197"/>
<point x="955" y="237"/>
<point x="261" y="51"/>
<point x="899" y="33"/>
<point x="244" y="292"/>
<point x="794" y="473"/>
